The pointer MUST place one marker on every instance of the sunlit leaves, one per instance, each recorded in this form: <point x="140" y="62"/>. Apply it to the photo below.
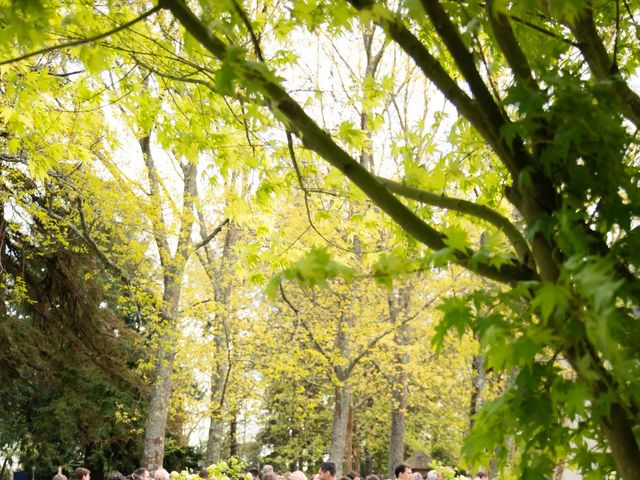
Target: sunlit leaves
<point x="315" y="269"/>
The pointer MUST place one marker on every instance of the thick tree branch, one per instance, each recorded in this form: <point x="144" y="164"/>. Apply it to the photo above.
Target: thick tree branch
<point x="602" y="66"/>
<point x="319" y="141"/>
<point x="466" y="207"/>
<point x="510" y="47"/>
<point x="157" y="220"/>
<point x="187" y="217"/>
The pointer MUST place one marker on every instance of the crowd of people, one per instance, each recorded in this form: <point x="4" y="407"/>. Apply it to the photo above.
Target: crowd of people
<point x="327" y="471"/>
<point x="82" y="473"/>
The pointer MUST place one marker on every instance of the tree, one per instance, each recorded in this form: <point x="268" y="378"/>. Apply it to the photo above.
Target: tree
<point x="552" y="122"/>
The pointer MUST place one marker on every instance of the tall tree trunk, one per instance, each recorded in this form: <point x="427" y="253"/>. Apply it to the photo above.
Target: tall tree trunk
<point x="173" y="266"/>
<point x="477" y="385"/>
<point x="339" y="427"/>
<point x="3" y="233"/>
<point x="348" y="450"/>
<point x="398" y="301"/>
<point x="233" y="432"/>
<point x="221" y="280"/>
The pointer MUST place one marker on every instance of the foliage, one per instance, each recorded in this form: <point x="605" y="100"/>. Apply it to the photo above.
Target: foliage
<point x="527" y="178"/>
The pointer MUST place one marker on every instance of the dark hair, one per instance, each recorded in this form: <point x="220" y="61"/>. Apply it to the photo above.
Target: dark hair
<point x="345" y="478"/>
<point x="140" y="471"/>
<point x="80" y="472"/>
<point x="401" y="468"/>
<point x="329" y="467"/>
<point x="372" y="477"/>
<point x="269" y="476"/>
<point x="483" y="474"/>
<point x="254" y="471"/>
<point x="352" y="475"/>
<point x="115" y="476"/>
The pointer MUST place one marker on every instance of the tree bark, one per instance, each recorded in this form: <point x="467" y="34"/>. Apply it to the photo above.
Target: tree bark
<point x="477" y="385"/>
<point x="339" y="427"/>
<point x="348" y="451"/>
<point x="221" y="280"/>
<point x="398" y="301"/>
<point x="173" y="266"/>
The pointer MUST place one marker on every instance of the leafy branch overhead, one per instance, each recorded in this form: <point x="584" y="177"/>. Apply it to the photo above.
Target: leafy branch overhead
<point x="500" y="137"/>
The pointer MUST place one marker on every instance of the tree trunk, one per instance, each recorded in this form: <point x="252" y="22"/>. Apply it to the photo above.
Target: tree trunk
<point x="396" y="441"/>
<point x="221" y="279"/>
<point x="348" y="451"/>
<point x="398" y="302"/>
<point x="173" y="266"/>
<point x="233" y="431"/>
<point x="622" y="442"/>
<point x="477" y="385"/>
<point x="3" y="233"/>
<point x="339" y="428"/>
<point x="215" y="438"/>
<point x="156" y="424"/>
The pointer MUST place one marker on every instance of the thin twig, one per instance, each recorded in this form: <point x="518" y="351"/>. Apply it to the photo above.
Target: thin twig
<point x="83" y="41"/>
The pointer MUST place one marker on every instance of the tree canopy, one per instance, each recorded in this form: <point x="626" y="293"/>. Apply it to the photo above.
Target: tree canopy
<point x="495" y="137"/>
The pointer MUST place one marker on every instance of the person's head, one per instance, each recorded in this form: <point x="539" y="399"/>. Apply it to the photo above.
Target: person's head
<point x="82" y="473"/>
<point x="115" y="476"/>
<point x="353" y="475"/>
<point x="327" y="471"/>
<point x="269" y="476"/>
<point x="203" y="473"/>
<point x="161" y="474"/>
<point x="372" y="477"/>
<point x="143" y="473"/>
<point x="255" y="473"/>
<point x="59" y="475"/>
<point x="267" y="469"/>
<point x="403" y="471"/>
<point x="432" y="475"/>
<point x="297" y="475"/>
<point x="416" y="476"/>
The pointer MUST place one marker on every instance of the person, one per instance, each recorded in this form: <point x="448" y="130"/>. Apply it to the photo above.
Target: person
<point x="59" y="475"/>
<point x="432" y="475"/>
<point x="267" y="469"/>
<point x="416" y="476"/>
<point x="255" y="473"/>
<point x="403" y="471"/>
<point x="327" y="471"/>
<point x="297" y="475"/>
<point x="269" y="476"/>
<point x="82" y="473"/>
<point x="143" y="473"/>
<point x="116" y="476"/>
<point x="372" y="477"/>
<point x="203" y="473"/>
<point x="354" y="475"/>
<point x="161" y="474"/>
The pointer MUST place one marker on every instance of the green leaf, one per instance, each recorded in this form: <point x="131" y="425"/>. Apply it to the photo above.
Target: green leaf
<point x="550" y="297"/>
